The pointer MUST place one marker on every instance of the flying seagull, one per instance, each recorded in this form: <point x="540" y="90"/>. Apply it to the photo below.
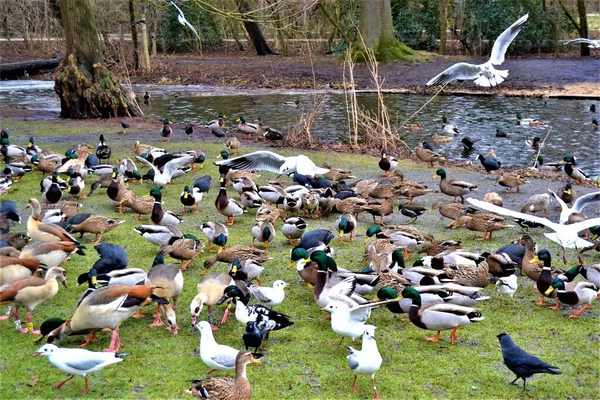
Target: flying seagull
<point x="578" y="205"/>
<point x="483" y="74"/>
<point x="269" y="161"/>
<point x="592" y="44"/>
<point x="183" y="21"/>
<point x="564" y="235"/>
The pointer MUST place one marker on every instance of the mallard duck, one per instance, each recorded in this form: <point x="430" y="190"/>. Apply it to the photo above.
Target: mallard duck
<point x="233" y="144"/>
<point x="411" y="211"/>
<point x="452" y="187"/>
<point x="489" y="163"/>
<point x="98" y="225"/>
<point x="129" y="170"/>
<point x="293" y="104"/>
<point x="293" y="229"/>
<point x="485" y="222"/>
<point x="351" y="205"/>
<point x="77" y="163"/>
<point x="190" y="197"/>
<point x="428" y="156"/>
<point x="267" y="212"/>
<point x="536" y="203"/>
<point x="367" y="360"/>
<point x="13" y="151"/>
<point x="500" y="264"/>
<point x="210" y="289"/>
<point x="413" y="127"/>
<point x="346" y="223"/>
<point x="168" y="280"/>
<point x="535" y="142"/>
<point x="272" y="134"/>
<point x="99" y="310"/>
<point x="572" y="171"/>
<point x="30" y="292"/>
<point x="158" y="234"/>
<point x="247" y="272"/>
<point x="166" y="131"/>
<point x="45" y="232"/>
<point x="243" y="253"/>
<point x="53" y="193"/>
<point x="76" y="187"/>
<point x="574" y="294"/>
<point x="592" y="274"/>
<point x="526" y="121"/>
<point x="311" y="205"/>
<point x="218" y="123"/>
<point x="566" y="193"/>
<point x="102" y="150"/>
<point x="448" y="128"/>
<point x="264" y="232"/>
<point x="544" y="281"/>
<point x="227" y="388"/>
<point x="411" y="190"/>
<point x="337" y="174"/>
<point x="510" y="181"/>
<point x="184" y="249"/>
<point x="226" y="206"/>
<point x="216" y="233"/>
<point x="159" y="216"/>
<point x="250" y="199"/>
<point x="247" y="128"/>
<point x="439" y="317"/>
<point x="387" y="163"/>
<point x="118" y="191"/>
<point x="493" y="198"/>
<point x="16" y="240"/>
<point x="48" y="164"/>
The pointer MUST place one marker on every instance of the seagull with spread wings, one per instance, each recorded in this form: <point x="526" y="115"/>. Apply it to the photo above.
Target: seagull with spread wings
<point x="578" y="205"/>
<point x="592" y="43"/>
<point x="183" y="21"/>
<point x="164" y="177"/>
<point x="564" y="235"/>
<point x="269" y="161"/>
<point x="483" y="74"/>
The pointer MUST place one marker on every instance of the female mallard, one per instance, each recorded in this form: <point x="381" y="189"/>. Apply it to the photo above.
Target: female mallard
<point x="103" y="151"/>
<point x="526" y="121"/>
<point x="184" y="249"/>
<point x="485" y="222"/>
<point x="574" y="294"/>
<point x="190" y="197"/>
<point x="216" y="233"/>
<point x="48" y="164"/>
<point x="387" y="163"/>
<point x="30" y="292"/>
<point x="166" y="131"/>
<point x="247" y="128"/>
<point x="168" y="280"/>
<point x="141" y="205"/>
<point x="530" y="269"/>
<point x="493" y="198"/>
<point x="439" y="317"/>
<point x="411" y="190"/>
<point x="264" y="232"/>
<point x="536" y="203"/>
<point x="227" y="388"/>
<point x="242" y="252"/>
<point x="510" y="181"/>
<point x="233" y="144"/>
<point x="346" y="223"/>
<point x="45" y="232"/>
<point x="428" y="156"/>
<point x="98" y="225"/>
<point x="452" y="187"/>
<point x="572" y="171"/>
<point x="210" y="289"/>
<point x="293" y="229"/>
<point x="151" y="151"/>
<point x="159" y="216"/>
<point x="226" y="206"/>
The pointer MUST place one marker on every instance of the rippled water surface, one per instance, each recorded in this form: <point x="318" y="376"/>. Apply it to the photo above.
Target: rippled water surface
<point x="476" y="116"/>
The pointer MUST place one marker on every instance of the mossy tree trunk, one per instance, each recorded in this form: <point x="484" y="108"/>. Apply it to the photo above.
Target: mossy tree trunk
<point x="377" y="31"/>
<point x="85" y="87"/>
<point x="443" y="26"/>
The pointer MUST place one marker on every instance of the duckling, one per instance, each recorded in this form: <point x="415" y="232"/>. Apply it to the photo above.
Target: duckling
<point x="428" y="156"/>
<point x="216" y="233"/>
<point x="293" y="229"/>
<point x="159" y="216"/>
<point x="226" y="206"/>
<point x="166" y="131"/>
<point x="264" y="232"/>
<point x="453" y="187"/>
<point x="189" y="197"/>
<point x="98" y="225"/>
<point x="510" y="181"/>
<point x="346" y="223"/>
<point x="102" y="150"/>
<point x="536" y="203"/>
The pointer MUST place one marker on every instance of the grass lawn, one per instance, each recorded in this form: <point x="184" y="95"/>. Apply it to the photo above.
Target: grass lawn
<point x="305" y="360"/>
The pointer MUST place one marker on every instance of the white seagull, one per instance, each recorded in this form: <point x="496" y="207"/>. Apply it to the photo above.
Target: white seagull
<point x="216" y="356"/>
<point x="170" y="168"/>
<point x="78" y="361"/>
<point x="269" y="296"/>
<point x="365" y="361"/>
<point x="483" y="74"/>
<point x="183" y="21"/>
<point x="269" y="161"/>
<point x="507" y="285"/>
<point x="564" y="235"/>
<point x="578" y="205"/>
<point x="592" y="43"/>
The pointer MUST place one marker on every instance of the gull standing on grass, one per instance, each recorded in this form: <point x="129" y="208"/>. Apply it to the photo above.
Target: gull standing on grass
<point x="183" y="21"/>
<point x="483" y="74"/>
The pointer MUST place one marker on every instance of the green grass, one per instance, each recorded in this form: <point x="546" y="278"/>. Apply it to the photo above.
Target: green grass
<point x="303" y="361"/>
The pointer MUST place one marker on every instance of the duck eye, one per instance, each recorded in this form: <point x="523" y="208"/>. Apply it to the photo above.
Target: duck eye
<point x="197" y="310"/>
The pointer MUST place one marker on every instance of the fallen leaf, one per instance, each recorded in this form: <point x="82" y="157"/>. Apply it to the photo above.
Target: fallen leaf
<point x="33" y="382"/>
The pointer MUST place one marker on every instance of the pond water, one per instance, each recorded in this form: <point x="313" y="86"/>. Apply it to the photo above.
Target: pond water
<point x="476" y="116"/>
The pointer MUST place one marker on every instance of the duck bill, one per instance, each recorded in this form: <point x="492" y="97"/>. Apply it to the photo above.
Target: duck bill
<point x="550" y="290"/>
<point x="435" y="175"/>
<point x="534" y="259"/>
<point x="375" y="299"/>
<point x="64" y="283"/>
<point x="254" y="360"/>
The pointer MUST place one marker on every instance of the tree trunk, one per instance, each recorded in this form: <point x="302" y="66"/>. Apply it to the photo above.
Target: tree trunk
<point x="377" y="31"/>
<point x="258" y="40"/>
<point x="85" y="87"/>
<point x="145" y="59"/>
<point x="134" y="37"/>
<point x="443" y="26"/>
<point x="583" y="27"/>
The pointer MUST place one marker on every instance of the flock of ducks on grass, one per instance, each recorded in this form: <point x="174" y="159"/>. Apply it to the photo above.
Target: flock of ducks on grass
<point x="439" y="291"/>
